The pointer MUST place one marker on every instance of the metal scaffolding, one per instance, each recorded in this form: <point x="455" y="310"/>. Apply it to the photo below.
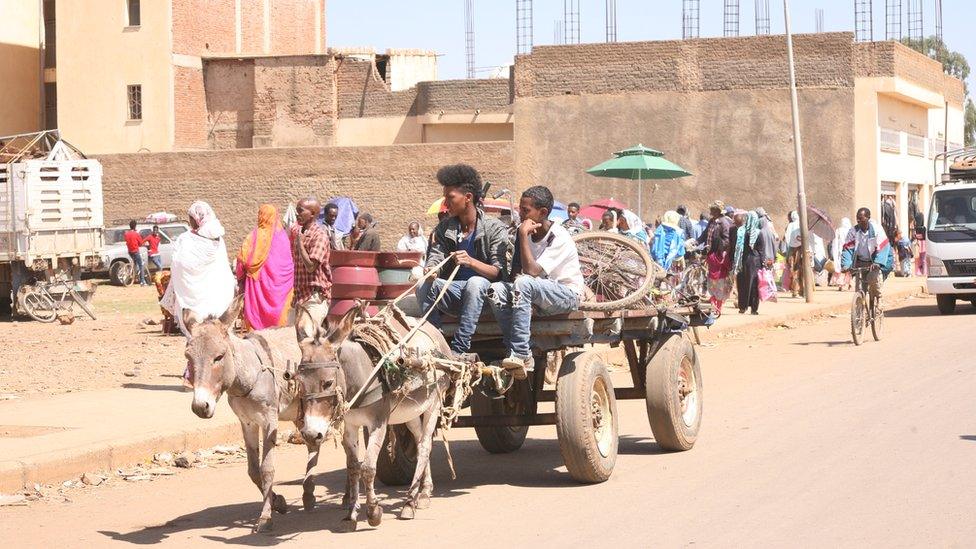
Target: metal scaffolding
<point x="730" y="26"/>
<point x="938" y="19"/>
<point x="762" y="17"/>
<point x="818" y="19"/>
<point x="915" y="27"/>
<point x="863" y="21"/>
<point x="523" y="26"/>
<point x="571" y="14"/>
<point x="893" y="20"/>
<point x="557" y="31"/>
<point x="611" y="19"/>
<point x="689" y="19"/>
<point x="469" y="37"/>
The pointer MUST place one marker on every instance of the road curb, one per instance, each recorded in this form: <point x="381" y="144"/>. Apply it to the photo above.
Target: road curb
<point x="57" y="466"/>
<point x="710" y="335"/>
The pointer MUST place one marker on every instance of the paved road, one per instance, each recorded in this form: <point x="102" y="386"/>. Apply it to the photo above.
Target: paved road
<point x="807" y="441"/>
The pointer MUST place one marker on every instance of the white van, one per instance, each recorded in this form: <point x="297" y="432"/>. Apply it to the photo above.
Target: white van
<point x="950" y="236"/>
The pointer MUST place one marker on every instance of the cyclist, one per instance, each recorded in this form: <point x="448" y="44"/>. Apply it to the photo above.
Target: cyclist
<point x="867" y="245"/>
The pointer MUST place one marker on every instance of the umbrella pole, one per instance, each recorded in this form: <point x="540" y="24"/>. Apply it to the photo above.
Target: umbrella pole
<point x="640" y="196"/>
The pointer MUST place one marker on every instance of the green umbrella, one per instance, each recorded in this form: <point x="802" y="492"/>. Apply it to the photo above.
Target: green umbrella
<point x="640" y="163"/>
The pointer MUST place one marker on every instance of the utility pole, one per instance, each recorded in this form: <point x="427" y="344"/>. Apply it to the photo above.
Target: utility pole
<point x="801" y="196"/>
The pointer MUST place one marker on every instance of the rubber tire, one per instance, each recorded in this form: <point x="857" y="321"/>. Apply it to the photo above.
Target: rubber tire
<point x="946" y="303"/>
<point x="399" y="470"/>
<point x="877" y="321"/>
<point x="114" y="273"/>
<point x="649" y="264"/>
<point x="973" y="302"/>
<point x="574" y="417"/>
<point x="43" y="298"/>
<point x="857" y="332"/>
<point x="663" y="404"/>
<point x="503" y="440"/>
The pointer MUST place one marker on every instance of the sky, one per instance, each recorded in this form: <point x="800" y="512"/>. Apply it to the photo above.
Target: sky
<point x="439" y="24"/>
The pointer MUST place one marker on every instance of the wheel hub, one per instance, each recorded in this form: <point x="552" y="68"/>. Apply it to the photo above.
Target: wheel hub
<point x="602" y="417"/>
<point x="688" y="392"/>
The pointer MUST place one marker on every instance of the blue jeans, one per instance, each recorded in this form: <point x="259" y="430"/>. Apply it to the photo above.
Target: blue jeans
<point x="512" y="303"/>
<point x="138" y="269"/>
<point x="463" y="299"/>
<point x="157" y="260"/>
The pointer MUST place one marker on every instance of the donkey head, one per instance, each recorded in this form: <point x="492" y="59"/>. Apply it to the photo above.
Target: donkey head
<point x="209" y="356"/>
<point x="320" y="378"/>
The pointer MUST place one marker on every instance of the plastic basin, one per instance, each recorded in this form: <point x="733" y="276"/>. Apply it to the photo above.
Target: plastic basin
<point x="394" y="276"/>
<point x="355" y="275"/>
<point x="392" y="291"/>
<point x="352" y="258"/>
<point x="399" y="260"/>
<point x="354" y="291"/>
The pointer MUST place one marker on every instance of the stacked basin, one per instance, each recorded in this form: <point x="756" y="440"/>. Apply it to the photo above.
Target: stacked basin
<point x="375" y="277"/>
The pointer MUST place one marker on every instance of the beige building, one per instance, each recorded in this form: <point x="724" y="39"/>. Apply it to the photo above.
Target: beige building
<point x="21" y="66"/>
<point x="126" y="75"/>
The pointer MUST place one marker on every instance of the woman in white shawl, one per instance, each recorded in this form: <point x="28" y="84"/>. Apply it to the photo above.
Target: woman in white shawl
<point x="841" y="279"/>
<point x="201" y="280"/>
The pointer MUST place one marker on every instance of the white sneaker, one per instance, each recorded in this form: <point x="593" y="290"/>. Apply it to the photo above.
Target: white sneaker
<point x="519" y="366"/>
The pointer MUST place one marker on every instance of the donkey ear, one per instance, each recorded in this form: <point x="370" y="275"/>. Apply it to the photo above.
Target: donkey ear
<point x="189" y="319"/>
<point x="233" y="311"/>
<point x="305" y="328"/>
<point x="342" y="328"/>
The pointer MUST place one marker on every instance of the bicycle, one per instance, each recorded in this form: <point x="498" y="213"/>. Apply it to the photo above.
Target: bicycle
<point x="40" y="303"/>
<point x="865" y="308"/>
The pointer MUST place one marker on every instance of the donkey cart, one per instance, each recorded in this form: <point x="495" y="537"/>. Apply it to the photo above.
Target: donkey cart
<point x="664" y="372"/>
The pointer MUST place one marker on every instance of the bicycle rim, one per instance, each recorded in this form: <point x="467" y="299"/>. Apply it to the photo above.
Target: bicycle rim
<point x="40" y="307"/>
<point x="857" y="318"/>
<point x="617" y="269"/>
<point x="877" y="318"/>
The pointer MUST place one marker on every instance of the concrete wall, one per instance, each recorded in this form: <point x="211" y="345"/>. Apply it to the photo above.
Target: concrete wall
<point x="407" y="67"/>
<point x="902" y="116"/>
<point x="294" y="101"/>
<point x="394" y="183"/>
<point x="214" y="27"/>
<point x="20" y="69"/>
<point x="97" y="57"/>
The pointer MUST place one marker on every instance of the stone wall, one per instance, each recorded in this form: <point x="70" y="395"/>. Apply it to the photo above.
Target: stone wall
<point x="294" y="101"/>
<point x="455" y="96"/>
<point x="361" y="92"/>
<point x="879" y="59"/>
<point x="396" y="183"/>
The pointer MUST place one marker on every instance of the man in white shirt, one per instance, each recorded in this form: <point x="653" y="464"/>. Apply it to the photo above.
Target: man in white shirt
<point x="545" y="275"/>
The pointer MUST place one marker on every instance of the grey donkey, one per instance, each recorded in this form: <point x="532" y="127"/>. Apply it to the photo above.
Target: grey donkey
<point x="251" y="371"/>
<point x="333" y="369"/>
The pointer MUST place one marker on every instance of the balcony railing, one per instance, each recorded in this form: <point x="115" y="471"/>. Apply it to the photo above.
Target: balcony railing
<point x="890" y="140"/>
<point x="916" y="145"/>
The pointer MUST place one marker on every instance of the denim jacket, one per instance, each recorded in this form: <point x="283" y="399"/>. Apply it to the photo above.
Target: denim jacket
<point x="490" y="245"/>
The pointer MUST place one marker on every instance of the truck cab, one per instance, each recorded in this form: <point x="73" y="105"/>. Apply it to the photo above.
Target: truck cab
<point x="950" y="234"/>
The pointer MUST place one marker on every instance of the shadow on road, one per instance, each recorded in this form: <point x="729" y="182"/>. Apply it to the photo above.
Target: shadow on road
<point x="968" y="437"/>
<point x="150" y="387"/>
<point x="916" y="311"/>
<point x="824" y="343"/>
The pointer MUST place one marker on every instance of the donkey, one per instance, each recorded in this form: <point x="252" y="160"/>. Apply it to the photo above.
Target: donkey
<point x="245" y="369"/>
<point x="334" y="366"/>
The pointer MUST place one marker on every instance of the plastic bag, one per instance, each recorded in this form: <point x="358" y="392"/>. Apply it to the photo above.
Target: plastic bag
<point x="767" y="285"/>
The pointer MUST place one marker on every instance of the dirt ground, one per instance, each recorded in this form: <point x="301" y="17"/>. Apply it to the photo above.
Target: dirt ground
<point x="44" y="358"/>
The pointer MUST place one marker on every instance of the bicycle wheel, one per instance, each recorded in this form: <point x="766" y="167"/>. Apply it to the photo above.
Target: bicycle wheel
<point x="877" y="318"/>
<point x="39" y="306"/>
<point x="617" y="270"/>
<point x="82" y="303"/>
<point x="696" y="280"/>
<point x="858" y="310"/>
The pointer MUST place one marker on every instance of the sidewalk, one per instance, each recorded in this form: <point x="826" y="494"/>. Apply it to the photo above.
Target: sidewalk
<point x="50" y="439"/>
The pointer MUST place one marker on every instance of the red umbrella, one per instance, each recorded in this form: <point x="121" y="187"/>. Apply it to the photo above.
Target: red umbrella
<point x="595" y="210"/>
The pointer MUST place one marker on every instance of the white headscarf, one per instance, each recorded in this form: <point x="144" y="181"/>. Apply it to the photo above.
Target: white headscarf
<point x="792" y="232"/>
<point x="840" y="236"/>
<point x="208" y="226"/>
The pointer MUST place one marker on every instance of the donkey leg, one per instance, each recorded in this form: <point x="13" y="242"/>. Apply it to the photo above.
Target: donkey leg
<point x="271" y="500"/>
<point x="350" y="443"/>
<point x="374" y="445"/>
<point x="422" y="429"/>
<point x="308" y="485"/>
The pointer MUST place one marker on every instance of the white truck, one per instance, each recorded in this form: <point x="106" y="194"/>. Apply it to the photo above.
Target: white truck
<point x="50" y="212"/>
<point x="950" y="234"/>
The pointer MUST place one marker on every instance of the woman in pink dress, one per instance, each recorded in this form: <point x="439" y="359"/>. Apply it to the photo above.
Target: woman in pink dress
<point x="266" y="270"/>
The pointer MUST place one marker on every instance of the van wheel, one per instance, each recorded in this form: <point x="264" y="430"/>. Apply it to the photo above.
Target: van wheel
<point x="946" y="303"/>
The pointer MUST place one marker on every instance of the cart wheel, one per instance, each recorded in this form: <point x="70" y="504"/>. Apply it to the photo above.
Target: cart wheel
<point x="120" y="273"/>
<point x="39" y="306"/>
<point x="517" y="401"/>
<point x="397" y="469"/>
<point x="586" y="417"/>
<point x="674" y="394"/>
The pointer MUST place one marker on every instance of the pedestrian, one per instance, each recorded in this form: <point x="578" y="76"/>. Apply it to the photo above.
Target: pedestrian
<point x="669" y="241"/>
<point x="475" y="243"/>
<point x="840" y="279"/>
<point x="201" y="281"/>
<point x="413" y="241"/>
<point x="608" y="221"/>
<point x="331" y="213"/>
<point x="687" y="227"/>
<point x="716" y="242"/>
<point x="133" y="245"/>
<point x="747" y="249"/>
<point x="905" y="255"/>
<point x="699" y="226"/>
<point x="921" y="267"/>
<point x="152" y="241"/>
<point x="574" y="223"/>
<point x="794" y="253"/>
<point x="310" y="252"/>
<point x="867" y="245"/>
<point x="266" y="271"/>
<point x="545" y="277"/>
<point x="369" y="237"/>
<point x="629" y="224"/>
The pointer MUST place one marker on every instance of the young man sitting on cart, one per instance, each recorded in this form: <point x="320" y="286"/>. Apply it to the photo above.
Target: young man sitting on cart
<point x="475" y="242"/>
<point x="545" y="276"/>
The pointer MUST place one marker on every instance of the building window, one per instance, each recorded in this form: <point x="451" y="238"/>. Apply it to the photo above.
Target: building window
<point x="135" y="102"/>
<point x="135" y="17"/>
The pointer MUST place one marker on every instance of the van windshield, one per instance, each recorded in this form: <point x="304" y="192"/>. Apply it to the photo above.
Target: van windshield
<point x="953" y="215"/>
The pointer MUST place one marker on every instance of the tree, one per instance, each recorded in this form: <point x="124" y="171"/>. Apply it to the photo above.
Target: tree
<point x="954" y="64"/>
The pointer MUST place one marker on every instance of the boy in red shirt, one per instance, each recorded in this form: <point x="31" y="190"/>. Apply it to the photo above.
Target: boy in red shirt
<point x="132" y="243"/>
<point x="152" y="240"/>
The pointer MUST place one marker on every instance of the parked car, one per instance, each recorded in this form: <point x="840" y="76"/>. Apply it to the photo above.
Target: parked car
<point x="115" y="260"/>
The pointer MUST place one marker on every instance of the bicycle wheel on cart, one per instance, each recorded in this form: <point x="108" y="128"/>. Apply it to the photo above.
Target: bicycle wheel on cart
<point x="617" y="270"/>
<point x="858" y="318"/>
<point x="877" y="318"/>
<point x="39" y="306"/>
